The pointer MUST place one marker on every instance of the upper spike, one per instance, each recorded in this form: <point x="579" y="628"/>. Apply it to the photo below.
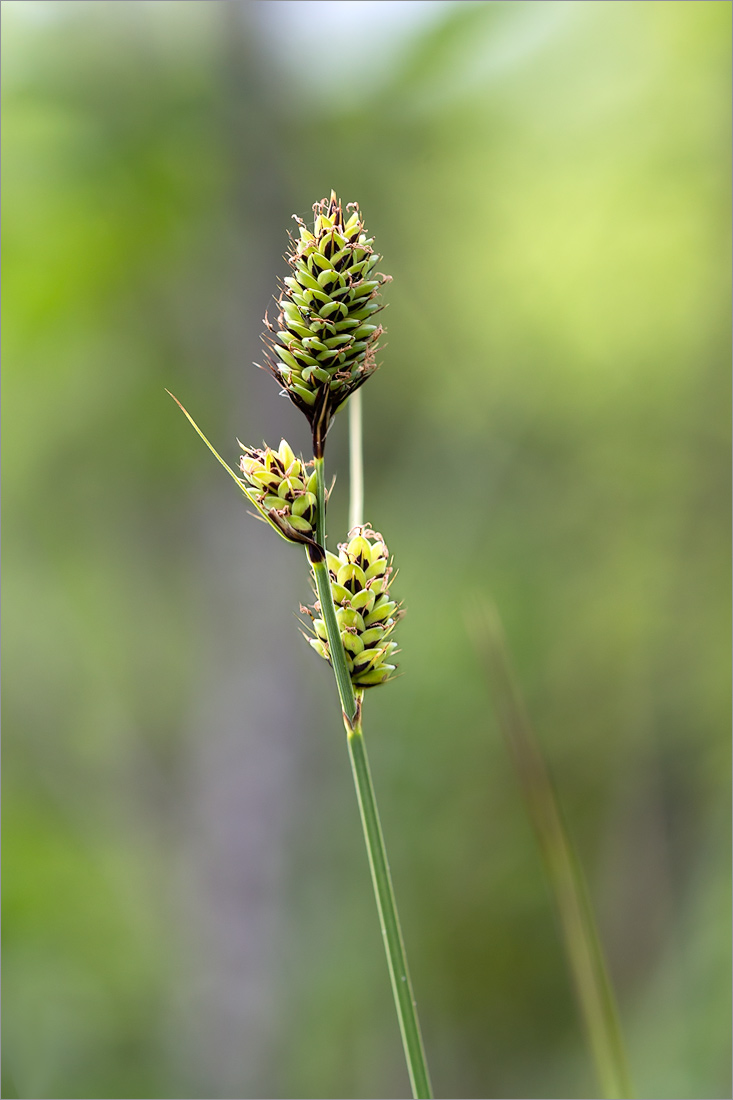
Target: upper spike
<point x="323" y="345"/>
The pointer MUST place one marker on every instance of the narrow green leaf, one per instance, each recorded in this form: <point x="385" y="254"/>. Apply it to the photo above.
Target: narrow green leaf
<point x="249" y="495"/>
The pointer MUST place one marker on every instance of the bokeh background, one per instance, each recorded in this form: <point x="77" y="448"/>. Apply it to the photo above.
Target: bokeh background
<point x="188" y="911"/>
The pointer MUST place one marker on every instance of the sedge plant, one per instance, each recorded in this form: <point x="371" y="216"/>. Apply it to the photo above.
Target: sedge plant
<point x="321" y="349"/>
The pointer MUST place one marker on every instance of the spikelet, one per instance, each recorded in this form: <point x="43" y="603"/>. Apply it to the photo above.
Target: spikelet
<point x="361" y="575"/>
<point x="323" y="345"/>
<point x="283" y="488"/>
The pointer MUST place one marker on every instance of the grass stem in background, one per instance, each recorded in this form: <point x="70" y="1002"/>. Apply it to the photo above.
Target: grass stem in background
<point x="582" y="943"/>
<point x="356" y="462"/>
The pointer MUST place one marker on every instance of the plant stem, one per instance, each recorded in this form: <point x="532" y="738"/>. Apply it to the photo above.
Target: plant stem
<point x="582" y="943"/>
<point x="325" y="599"/>
<point x="381" y="879"/>
<point x="387" y="908"/>
<point x="351" y="705"/>
<point x="356" y="462"/>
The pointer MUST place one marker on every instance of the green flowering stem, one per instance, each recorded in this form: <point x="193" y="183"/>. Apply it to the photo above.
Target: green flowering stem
<point x="325" y="599"/>
<point x="381" y="879"/>
<point x="387" y="908"/>
<point x="335" y="645"/>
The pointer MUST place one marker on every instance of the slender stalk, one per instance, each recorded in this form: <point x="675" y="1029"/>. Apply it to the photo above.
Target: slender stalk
<point x="320" y="501"/>
<point x="381" y="879"/>
<point x="356" y="462"/>
<point x="582" y="943"/>
<point x="325" y="598"/>
<point x="335" y="645"/>
<point x="387" y="908"/>
<point x="352" y="710"/>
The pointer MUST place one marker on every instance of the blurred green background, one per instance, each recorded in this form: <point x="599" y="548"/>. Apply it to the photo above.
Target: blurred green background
<point x="187" y="907"/>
